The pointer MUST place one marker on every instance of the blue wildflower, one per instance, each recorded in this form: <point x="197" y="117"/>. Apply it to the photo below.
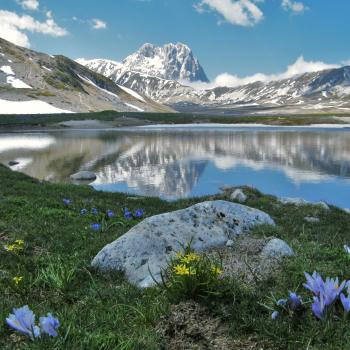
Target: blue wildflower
<point x="318" y="307"/>
<point x="314" y="283"/>
<point x="83" y="211"/>
<point x="96" y="227"/>
<point x="139" y="213"/>
<point x="94" y="211"/>
<point x="23" y="321"/>
<point x="110" y="213"/>
<point x="345" y="301"/>
<point x="127" y="213"/>
<point x="67" y="201"/>
<point x="294" y="301"/>
<point x="331" y="290"/>
<point x="274" y="315"/>
<point x="49" y="325"/>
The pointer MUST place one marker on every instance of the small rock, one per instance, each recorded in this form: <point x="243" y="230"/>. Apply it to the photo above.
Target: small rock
<point x="206" y="225"/>
<point x="277" y="248"/>
<point x="230" y="243"/>
<point x="311" y="219"/>
<point x="238" y="195"/>
<point x="13" y="163"/>
<point x="84" y="176"/>
<point x="301" y="201"/>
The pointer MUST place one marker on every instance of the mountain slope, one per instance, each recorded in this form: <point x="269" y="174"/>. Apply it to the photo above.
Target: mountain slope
<point x="32" y="82"/>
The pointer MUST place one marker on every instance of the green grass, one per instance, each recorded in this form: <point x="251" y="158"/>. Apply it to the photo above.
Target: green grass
<point x="102" y="311"/>
<point x="168" y="118"/>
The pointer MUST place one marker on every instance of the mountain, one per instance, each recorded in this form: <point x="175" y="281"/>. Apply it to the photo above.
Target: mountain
<point x="150" y="71"/>
<point x="169" y="62"/>
<point x="32" y="82"/>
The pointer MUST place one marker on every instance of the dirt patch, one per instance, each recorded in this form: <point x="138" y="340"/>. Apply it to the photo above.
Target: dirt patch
<point x="190" y="327"/>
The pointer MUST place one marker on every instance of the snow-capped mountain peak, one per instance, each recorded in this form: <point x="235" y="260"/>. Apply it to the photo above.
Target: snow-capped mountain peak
<point x="171" y="62"/>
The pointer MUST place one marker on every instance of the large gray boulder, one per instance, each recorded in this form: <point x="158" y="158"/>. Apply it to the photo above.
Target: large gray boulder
<point x="148" y="246"/>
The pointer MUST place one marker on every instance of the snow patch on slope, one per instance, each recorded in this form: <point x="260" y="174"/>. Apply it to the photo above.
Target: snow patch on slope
<point x="132" y="93"/>
<point x="134" y="107"/>
<point x="29" y="107"/>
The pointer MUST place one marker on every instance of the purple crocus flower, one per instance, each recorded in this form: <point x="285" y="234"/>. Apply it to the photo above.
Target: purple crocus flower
<point x="331" y="290"/>
<point x="49" y="325"/>
<point x="110" y="213"/>
<point x="83" y="211"/>
<point x="96" y="227"/>
<point x="94" y="211"/>
<point x="67" y="201"/>
<point x="345" y="301"/>
<point x="314" y="283"/>
<point x="347" y="249"/>
<point x="294" y="301"/>
<point x="274" y="315"/>
<point x="139" y="213"/>
<point x="318" y="307"/>
<point x="23" y="321"/>
<point x="127" y="213"/>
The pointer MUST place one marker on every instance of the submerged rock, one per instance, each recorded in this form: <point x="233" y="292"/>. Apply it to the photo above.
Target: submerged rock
<point x="145" y="250"/>
<point x="84" y="176"/>
<point x="301" y="201"/>
<point x="238" y="195"/>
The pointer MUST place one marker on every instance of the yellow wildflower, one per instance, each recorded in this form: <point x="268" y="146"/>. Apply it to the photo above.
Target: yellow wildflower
<point x="183" y="270"/>
<point x="17" y="280"/>
<point x="179" y="255"/>
<point x="10" y="247"/>
<point x="190" y="257"/>
<point x="216" y="270"/>
<point x="17" y="246"/>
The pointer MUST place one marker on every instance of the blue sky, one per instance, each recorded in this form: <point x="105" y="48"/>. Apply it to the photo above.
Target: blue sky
<point x="240" y="37"/>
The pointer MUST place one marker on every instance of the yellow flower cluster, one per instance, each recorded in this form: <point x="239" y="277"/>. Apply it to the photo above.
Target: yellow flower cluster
<point x="190" y="257"/>
<point x="183" y="270"/>
<point x="16" y="246"/>
<point x="17" y="280"/>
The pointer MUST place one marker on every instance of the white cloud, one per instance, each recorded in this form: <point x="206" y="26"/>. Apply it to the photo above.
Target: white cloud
<point x="13" y="27"/>
<point x="238" y="12"/>
<point x="300" y="66"/>
<point x="98" y="24"/>
<point x="30" y="4"/>
<point x="346" y="63"/>
<point x="296" y="7"/>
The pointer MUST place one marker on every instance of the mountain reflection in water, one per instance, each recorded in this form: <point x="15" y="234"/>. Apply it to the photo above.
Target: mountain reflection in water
<point x="314" y="164"/>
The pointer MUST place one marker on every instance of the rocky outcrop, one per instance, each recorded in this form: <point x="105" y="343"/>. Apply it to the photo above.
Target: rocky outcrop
<point x="301" y="201"/>
<point x="145" y="250"/>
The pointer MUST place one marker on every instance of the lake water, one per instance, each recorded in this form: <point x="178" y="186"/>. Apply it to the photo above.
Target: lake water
<point x="180" y="162"/>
